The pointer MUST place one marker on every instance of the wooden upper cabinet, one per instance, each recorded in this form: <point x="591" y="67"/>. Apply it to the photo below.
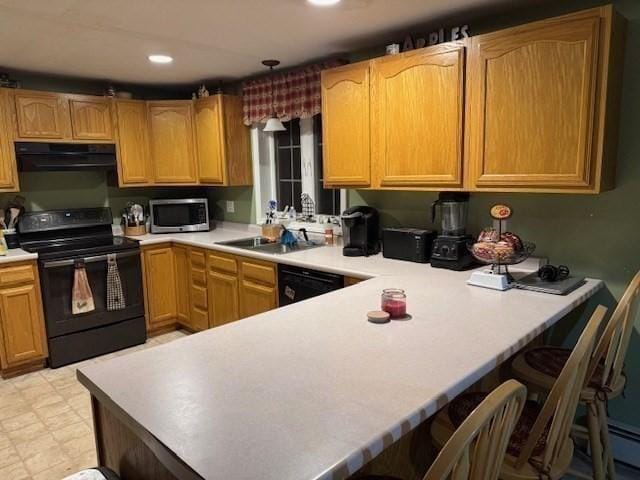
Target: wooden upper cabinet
<point x="8" y="170"/>
<point x="90" y="118"/>
<point x="40" y="115"/>
<point x="172" y="141"/>
<point x="345" y="126"/>
<point x="222" y="141"/>
<point x="209" y="141"/>
<point x="130" y="118"/>
<point x="417" y="104"/>
<point x="537" y="103"/>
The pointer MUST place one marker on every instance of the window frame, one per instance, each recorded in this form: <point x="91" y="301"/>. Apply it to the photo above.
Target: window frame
<point x="265" y="180"/>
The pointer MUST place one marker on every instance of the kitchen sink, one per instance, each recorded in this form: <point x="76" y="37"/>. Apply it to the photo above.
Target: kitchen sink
<point x="261" y="244"/>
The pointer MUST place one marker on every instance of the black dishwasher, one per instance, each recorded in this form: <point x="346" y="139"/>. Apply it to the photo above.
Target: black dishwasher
<point x="296" y="284"/>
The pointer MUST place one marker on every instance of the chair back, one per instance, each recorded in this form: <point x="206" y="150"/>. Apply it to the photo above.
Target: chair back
<point x="477" y="448"/>
<point x="558" y="411"/>
<point x="614" y="342"/>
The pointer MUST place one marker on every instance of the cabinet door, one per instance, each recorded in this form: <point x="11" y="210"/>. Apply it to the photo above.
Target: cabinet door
<point x="40" y="115"/>
<point x="257" y="298"/>
<point x="531" y="105"/>
<point x="22" y="325"/>
<point x="345" y="126"/>
<point x="181" y="259"/>
<point x="209" y="140"/>
<point x="223" y="298"/>
<point x="172" y="142"/>
<point x="8" y="170"/>
<point x="133" y="142"/>
<point x="417" y="103"/>
<point x="91" y="119"/>
<point x="237" y="145"/>
<point x="160" y="286"/>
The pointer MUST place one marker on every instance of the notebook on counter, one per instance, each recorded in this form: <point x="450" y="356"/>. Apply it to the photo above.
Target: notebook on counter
<point x="536" y="284"/>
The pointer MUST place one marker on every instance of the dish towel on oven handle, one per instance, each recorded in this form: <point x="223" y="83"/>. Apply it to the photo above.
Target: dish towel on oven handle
<point x="115" y="297"/>
<point x="81" y="296"/>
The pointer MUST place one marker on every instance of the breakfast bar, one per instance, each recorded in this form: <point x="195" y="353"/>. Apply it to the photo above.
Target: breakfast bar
<point x="310" y="390"/>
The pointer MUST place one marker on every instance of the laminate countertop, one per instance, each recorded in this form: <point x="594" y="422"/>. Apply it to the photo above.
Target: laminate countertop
<point x="17" y="255"/>
<point x="312" y="390"/>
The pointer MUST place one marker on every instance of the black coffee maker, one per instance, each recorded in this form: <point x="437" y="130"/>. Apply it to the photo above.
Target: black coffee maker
<point x="360" y="231"/>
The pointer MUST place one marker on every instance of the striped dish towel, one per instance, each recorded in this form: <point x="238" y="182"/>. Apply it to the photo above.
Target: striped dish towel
<point x="115" y="297"/>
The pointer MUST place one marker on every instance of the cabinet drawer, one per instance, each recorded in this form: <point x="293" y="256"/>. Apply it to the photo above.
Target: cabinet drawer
<point x="199" y="296"/>
<point x="199" y="318"/>
<point x="198" y="276"/>
<point x="222" y="262"/>
<point x="198" y="258"/>
<point x="259" y="271"/>
<point x="17" y="274"/>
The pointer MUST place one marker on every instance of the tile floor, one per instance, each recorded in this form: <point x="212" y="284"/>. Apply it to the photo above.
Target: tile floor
<point x="46" y="431"/>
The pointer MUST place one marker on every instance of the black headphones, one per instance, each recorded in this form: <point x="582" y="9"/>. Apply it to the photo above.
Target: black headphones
<point x="551" y="273"/>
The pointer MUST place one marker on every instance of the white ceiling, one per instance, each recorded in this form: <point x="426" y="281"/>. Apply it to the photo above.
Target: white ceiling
<point x="208" y="38"/>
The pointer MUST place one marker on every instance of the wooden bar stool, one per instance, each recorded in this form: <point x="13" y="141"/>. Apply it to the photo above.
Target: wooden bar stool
<point x="540" y="446"/>
<point x="476" y="449"/>
<point x="539" y="367"/>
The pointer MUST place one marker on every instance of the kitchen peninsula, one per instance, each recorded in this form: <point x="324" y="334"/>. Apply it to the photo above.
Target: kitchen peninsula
<point x="310" y="390"/>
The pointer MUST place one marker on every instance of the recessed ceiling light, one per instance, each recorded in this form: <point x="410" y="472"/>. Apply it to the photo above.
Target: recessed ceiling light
<point x="160" y="58"/>
<point x="323" y="3"/>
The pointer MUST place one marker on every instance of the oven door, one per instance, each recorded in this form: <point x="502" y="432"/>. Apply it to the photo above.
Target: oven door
<point x="185" y="215"/>
<point x="56" y="278"/>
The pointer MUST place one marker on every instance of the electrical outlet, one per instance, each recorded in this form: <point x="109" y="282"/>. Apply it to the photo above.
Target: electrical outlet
<point x="231" y="206"/>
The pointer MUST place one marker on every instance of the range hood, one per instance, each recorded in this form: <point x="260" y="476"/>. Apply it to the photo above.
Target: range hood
<point x="40" y="156"/>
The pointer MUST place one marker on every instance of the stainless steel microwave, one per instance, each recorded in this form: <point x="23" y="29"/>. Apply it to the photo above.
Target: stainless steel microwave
<point x="181" y="215"/>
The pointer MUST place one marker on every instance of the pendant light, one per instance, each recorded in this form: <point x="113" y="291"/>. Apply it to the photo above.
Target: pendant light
<point x="273" y="124"/>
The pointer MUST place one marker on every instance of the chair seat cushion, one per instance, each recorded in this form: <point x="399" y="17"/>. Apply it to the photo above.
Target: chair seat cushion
<point x="460" y="408"/>
<point x="551" y="360"/>
<point x="98" y="473"/>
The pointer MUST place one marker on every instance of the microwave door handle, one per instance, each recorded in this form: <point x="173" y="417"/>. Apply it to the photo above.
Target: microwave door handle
<point x="93" y="259"/>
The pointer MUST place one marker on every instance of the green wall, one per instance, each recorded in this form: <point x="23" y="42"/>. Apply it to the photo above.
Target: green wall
<point x="245" y="211"/>
<point x="54" y="190"/>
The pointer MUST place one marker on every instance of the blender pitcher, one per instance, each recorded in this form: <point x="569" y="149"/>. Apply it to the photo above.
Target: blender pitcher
<point x="453" y="212"/>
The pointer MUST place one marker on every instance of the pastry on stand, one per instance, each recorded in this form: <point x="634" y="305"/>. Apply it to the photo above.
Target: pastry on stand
<point x="498" y="249"/>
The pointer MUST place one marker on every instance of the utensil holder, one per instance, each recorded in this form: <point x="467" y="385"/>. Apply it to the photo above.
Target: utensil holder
<point x="11" y="237"/>
<point x="135" y="231"/>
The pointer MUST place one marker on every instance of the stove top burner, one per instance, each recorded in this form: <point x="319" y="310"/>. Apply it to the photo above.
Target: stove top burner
<point x="58" y="248"/>
<point x="77" y="232"/>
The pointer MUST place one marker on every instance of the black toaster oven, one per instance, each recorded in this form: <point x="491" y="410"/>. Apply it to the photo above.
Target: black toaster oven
<point x="410" y="244"/>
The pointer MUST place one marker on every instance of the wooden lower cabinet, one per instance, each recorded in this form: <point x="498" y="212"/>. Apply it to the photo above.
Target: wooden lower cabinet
<point x="22" y="334"/>
<point x="257" y="298"/>
<point x="198" y="295"/>
<point x="348" y="281"/>
<point x="198" y="289"/>
<point x="224" y="295"/>
<point x="258" y="286"/>
<point x="160" y="287"/>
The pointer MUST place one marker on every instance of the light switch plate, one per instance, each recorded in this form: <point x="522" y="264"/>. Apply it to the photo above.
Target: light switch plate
<point x="231" y="206"/>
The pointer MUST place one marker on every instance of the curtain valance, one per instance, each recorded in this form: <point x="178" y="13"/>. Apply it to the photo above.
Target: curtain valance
<point x="296" y="94"/>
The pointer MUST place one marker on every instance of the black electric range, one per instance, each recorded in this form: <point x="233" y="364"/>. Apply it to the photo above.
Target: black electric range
<point x="62" y="239"/>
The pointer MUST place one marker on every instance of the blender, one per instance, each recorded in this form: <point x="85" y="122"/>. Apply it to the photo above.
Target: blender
<point x="451" y="248"/>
